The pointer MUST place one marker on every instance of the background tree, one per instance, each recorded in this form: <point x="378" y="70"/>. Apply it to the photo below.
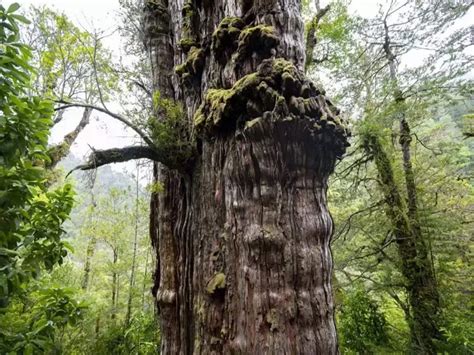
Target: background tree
<point x="378" y="84"/>
<point x="73" y="66"/>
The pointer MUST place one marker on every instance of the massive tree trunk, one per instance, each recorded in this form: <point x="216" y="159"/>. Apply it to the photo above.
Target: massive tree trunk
<point x="242" y="232"/>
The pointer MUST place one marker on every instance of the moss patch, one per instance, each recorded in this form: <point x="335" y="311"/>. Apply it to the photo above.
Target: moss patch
<point x="186" y="44"/>
<point x="57" y="152"/>
<point x="232" y="36"/>
<point x="217" y="282"/>
<point x="193" y="65"/>
<point x="277" y="91"/>
<point x="259" y="39"/>
<point x="273" y="319"/>
<point x="225" y="37"/>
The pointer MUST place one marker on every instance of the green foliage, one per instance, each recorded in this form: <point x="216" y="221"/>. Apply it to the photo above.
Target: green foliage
<point x="38" y="323"/>
<point x="335" y="27"/>
<point x="433" y="85"/>
<point x="334" y="33"/>
<point x="361" y="324"/>
<point x="30" y="216"/>
<point x="140" y="337"/>
<point x="110" y="224"/>
<point x="468" y="125"/>
<point x="170" y="129"/>
<point x="156" y="187"/>
<point x="71" y="62"/>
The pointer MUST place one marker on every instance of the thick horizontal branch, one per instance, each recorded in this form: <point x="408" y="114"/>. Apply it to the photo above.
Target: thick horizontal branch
<point x="119" y="155"/>
<point x="118" y="117"/>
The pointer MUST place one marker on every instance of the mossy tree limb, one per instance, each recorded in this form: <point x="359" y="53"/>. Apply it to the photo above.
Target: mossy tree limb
<point x="61" y="150"/>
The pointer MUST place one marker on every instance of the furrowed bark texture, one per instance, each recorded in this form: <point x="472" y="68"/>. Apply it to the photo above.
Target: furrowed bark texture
<point x="243" y="262"/>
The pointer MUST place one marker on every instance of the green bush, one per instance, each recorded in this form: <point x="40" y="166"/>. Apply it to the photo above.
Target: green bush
<point x="362" y="326"/>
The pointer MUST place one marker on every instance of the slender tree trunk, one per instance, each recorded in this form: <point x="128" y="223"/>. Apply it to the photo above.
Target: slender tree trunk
<point x="134" y="257"/>
<point x="419" y="272"/>
<point x="115" y="289"/>
<point x="91" y="244"/>
<point x="415" y="264"/>
<point x="242" y="237"/>
<point x="424" y="296"/>
<point x="145" y="280"/>
<point x="97" y="328"/>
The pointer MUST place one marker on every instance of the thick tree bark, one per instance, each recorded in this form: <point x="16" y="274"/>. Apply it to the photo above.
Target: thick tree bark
<point x="242" y="238"/>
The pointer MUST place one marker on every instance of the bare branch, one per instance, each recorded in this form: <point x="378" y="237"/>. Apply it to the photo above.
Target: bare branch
<point x="118" y="117"/>
<point x="142" y="86"/>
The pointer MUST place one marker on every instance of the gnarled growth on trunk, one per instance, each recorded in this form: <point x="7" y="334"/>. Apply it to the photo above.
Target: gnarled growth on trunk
<point x="242" y="235"/>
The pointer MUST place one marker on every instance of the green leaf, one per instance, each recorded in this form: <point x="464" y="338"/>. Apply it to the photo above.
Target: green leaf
<point x="13" y="7"/>
<point x="21" y="19"/>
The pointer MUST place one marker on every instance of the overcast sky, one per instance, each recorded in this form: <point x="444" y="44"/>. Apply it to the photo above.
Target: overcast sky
<point x="103" y="132"/>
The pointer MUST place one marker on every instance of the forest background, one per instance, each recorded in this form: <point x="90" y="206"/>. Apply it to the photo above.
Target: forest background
<point x="97" y="296"/>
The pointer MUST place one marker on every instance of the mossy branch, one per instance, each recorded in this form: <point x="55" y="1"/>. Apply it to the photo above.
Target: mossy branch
<point x="61" y="150"/>
<point x="311" y="39"/>
<point x="168" y="143"/>
<point x="118" y="155"/>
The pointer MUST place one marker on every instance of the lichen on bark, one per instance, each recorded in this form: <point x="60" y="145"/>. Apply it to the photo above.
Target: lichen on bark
<point x="216" y="283"/>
